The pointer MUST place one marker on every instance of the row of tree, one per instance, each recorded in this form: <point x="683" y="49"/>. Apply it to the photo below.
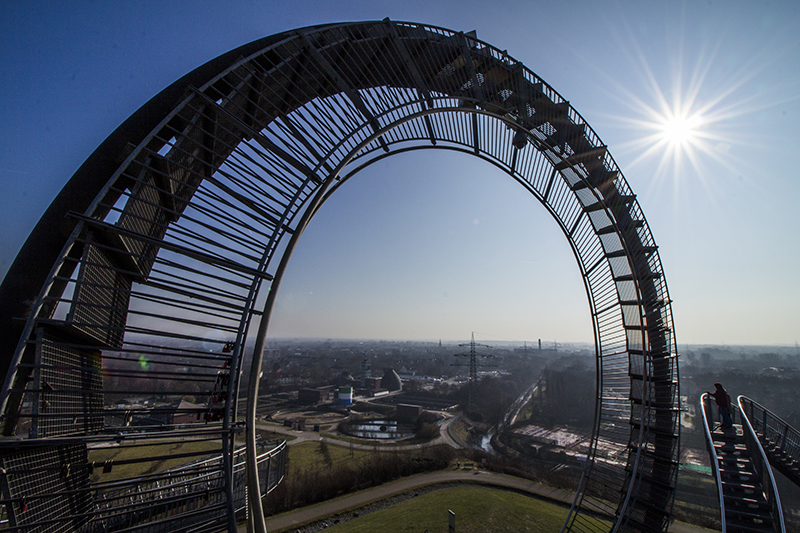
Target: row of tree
<point x="306" y="486"/>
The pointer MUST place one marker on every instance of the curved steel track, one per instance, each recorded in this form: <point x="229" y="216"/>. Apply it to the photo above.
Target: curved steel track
<point x="155" y="269"/>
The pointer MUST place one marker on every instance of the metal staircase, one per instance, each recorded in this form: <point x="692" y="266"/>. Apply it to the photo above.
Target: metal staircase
<point x="781" y="442"/>
<point x="749" y="501"/>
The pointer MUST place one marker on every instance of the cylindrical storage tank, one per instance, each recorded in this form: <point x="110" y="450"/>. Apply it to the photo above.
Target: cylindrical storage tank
<point x="345" y="395"/>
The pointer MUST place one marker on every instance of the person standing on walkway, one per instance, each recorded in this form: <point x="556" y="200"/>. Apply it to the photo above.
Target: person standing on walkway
<point x="723" y="401"/>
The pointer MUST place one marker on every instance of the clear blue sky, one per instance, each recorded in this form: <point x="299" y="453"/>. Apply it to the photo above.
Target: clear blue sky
<point x="437" y="245"/>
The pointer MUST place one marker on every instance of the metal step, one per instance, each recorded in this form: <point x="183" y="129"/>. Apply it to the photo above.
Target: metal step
<point x="747" y="506"/>
<point x="747" y="526"/>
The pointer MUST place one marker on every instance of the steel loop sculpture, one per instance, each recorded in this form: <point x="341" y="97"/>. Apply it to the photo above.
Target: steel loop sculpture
<point x="155" y="270"/>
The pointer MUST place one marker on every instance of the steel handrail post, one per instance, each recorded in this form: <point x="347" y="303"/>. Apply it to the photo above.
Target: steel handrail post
<point x="704" y="399"/>
<point x="759" y="457"/>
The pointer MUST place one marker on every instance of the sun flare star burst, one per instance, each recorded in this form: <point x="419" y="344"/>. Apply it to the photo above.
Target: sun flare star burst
<point x="680" y="137"/>
<point x="684" y="123"/>
<point x="680" y="129"/>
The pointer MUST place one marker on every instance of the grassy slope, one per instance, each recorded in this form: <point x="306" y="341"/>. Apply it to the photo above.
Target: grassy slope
<point x="160" y="452"/>
<point x="477" y="509"/>
<point x="309" y="456"/>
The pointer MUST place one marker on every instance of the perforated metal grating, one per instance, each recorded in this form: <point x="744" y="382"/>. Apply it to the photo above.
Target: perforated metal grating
<point x="71" y="385"/>
<point x="47" y="488"/>
<point x="102" y="293"/>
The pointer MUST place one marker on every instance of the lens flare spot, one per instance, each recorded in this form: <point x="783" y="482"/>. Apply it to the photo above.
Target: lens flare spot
<point x="144" y="363"/>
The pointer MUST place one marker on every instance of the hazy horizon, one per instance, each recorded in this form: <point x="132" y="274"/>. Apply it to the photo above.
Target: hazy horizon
<point x="546" y="344"/>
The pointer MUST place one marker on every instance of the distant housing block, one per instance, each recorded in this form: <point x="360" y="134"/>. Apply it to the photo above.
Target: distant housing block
<point x="408" y="412"/>
<point x="311" y="396"/>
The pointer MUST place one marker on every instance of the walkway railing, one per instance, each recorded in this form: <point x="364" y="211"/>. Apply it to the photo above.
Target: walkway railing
<point x="781" y="441"/>
<point x="748" y="497"/>
<point x="708" y="425"/>
<point x="762" y="468"/>
<point x="192" y="494"/>
<point x="190" y="497"/>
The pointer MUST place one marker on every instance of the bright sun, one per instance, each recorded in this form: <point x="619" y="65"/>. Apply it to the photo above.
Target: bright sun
<point x="680" y="129"/>
<point x="675" y="133"/>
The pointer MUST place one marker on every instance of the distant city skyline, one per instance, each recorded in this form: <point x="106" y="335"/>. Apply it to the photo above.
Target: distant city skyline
<point x="698" y="104"/>
<point x="785" y="349"/>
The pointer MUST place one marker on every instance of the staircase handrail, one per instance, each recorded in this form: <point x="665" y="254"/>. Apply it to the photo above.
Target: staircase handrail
<point x="773" y="427"/>
<point x="761" y="465"/>
<point x="706" y="405"/>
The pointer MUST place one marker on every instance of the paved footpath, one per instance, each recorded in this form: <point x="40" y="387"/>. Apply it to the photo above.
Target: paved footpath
<point x="313" y="513"/>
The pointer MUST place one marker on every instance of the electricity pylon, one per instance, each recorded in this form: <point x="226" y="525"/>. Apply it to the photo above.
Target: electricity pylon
<point x="473" y="364"/>
<point x="473" y="358"/>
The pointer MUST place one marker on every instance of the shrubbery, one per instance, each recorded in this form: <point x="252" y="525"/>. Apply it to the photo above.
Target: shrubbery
<point x="533" y="470"/>
<point x="426" y="431"/>
<point x="311" y="486"/>
<point x="364" y="407"/>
